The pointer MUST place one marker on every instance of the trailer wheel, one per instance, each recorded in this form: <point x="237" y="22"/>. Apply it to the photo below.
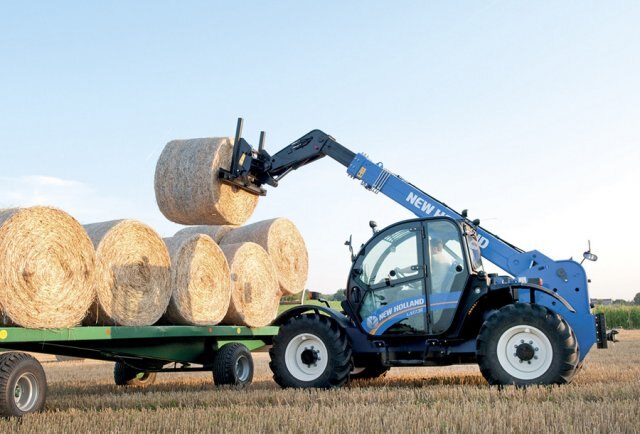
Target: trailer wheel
<point x="125" y="375"/>
<point x="524" y="344"/>
<point x="310" y="351"/>
<point x="233" y="365"/>
<point x="23" y="385"/>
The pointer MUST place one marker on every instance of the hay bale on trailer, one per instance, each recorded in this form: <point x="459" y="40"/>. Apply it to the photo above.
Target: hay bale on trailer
<point x="200" y="281"/>
<point x="187" y="187"/>
<point x="47" y="268"/>
<point x="216" y="232"/>
<point x="285" y="245"/>
<point x="255" y="295"/>
<point x="133" y="278"/>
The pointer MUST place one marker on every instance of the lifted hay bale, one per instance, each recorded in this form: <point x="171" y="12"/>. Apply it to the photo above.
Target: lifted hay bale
<point x="47" y="268"/>
<point x="216" y="232"/>
<point x="187" y="187"/>
<point x="285" y="245"/>
<point x="255" y="295"/>
<point x="133" y="274"/>
<point x="200" y="280"/>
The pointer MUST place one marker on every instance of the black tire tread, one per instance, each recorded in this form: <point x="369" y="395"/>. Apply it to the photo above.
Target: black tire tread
<point x="524" y="313"/>
<point x="334" y="338"/>
<point x="9" y="363"/>
<point x="125" y="375"/>
<point x="224" y="364"/>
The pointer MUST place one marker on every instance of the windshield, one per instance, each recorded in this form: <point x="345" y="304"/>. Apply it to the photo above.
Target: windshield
<point x="398" y="249"/>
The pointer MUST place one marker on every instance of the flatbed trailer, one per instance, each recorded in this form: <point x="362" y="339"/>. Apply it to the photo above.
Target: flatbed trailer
<point x="138" y="352"/>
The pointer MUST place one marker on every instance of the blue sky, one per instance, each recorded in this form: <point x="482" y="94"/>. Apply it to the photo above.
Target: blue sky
<point x="524" y="112"/>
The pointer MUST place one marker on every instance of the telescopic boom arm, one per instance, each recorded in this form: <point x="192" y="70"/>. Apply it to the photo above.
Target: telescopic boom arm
<point x="251" y="169"/>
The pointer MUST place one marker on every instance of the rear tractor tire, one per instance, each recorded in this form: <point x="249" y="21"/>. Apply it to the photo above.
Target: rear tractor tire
<point x="310" y="351"/>
<point x="233" y="365"/>
<point x="23" y="385"/>
<point x="524" y="344"/>
<point x="126" y="375"/>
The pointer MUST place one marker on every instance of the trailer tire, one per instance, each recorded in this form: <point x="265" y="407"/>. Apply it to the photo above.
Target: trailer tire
<point x="233" y="365"/>
<point x="523" y="344"/>
<point x="310" y="351"/>
<point x="23" y="385"/>
<point x="126" y="375"/>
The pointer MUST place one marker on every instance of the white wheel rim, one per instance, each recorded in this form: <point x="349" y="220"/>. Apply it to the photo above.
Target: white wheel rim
<point x="242" y="369"/>
<point x="26" y="392"/>
<point x="515" y="347"/>
<point x="306" y="357"/>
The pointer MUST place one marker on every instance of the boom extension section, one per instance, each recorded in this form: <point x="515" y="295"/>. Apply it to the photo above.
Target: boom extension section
<point x="250" y="169"/>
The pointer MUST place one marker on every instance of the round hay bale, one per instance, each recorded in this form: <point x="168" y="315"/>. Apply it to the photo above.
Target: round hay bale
<point x="285" y="245"/>
<point x="133" y="277"/>
<point x="47" y="268"/>
<point x="255" y="296"/>
<point x="187" y="187"/>
<point x="216" y="232"/>
<point x="200" y="280"/>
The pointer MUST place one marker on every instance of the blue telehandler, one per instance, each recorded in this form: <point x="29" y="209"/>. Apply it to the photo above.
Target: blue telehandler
<point x="417" y="293"/>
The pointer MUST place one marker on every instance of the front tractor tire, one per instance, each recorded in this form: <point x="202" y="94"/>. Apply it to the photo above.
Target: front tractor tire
<point x="524" y="344"/>
<point x="310" y="351"/>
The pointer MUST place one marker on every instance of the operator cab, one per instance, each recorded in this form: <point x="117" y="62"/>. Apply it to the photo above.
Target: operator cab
<point x="408" y="279"/>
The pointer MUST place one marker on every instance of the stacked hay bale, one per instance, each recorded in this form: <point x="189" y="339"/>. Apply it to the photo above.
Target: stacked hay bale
<point x="187" y="187"/>
<point x="255" y="294"/>
<point x="200" y="280"/>
<point x="47" y="268"/>
<point x="188" y="191"/>
<point x="257" y="253"/>
<point x="133" y="274"/>
<point x="285" y="246"/>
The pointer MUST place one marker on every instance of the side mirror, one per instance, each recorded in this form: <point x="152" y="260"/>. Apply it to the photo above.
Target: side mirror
<point x="373" y="225"/>
<point x="350" y="245"/>
<point x="588" y="255"/>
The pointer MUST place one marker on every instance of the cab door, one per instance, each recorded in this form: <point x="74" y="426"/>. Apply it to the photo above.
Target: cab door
<point x="447" y="272"/>
<point x="389" y="278"/>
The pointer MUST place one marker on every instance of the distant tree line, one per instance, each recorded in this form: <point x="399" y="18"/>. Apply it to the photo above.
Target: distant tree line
<point x="617" y="302"/>
<point x="339" y="295"/>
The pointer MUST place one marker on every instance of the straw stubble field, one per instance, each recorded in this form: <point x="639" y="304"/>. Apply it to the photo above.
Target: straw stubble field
<point x="604" y="397"/>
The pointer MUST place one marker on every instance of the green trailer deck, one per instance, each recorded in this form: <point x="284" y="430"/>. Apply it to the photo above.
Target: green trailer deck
<point x="183" y="344"/>
<point x="139" y="353"/>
